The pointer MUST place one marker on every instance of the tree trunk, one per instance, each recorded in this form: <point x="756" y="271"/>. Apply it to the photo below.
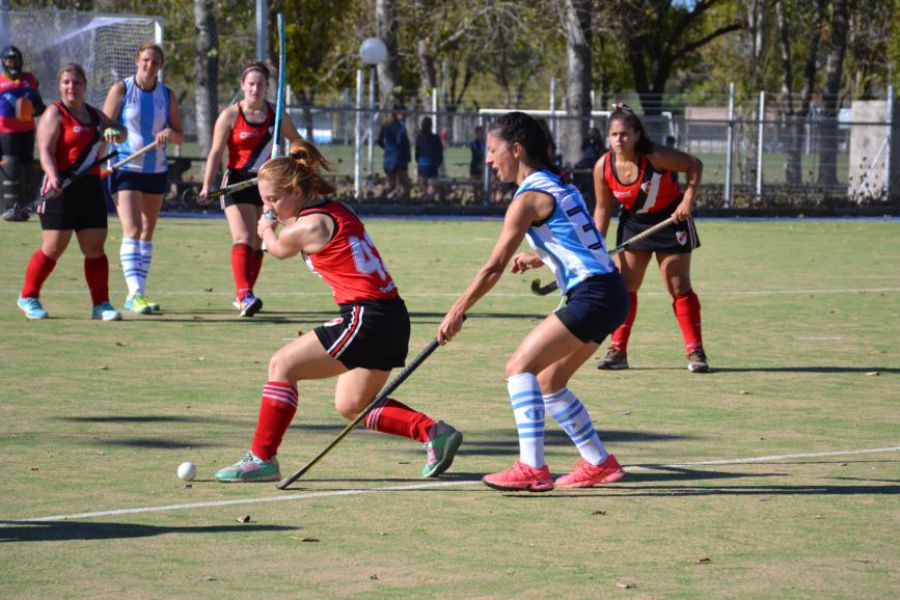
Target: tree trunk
<point x="206" y="73"/>
<point x="578" y="79"/>
<point x="388" y="72"/>
<point x="834" y="67"/>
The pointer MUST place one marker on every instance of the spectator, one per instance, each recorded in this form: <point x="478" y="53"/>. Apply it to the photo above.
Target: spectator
<point x="592" y="149"/>
<point x="20" y="102"/>
<point x="392" y="137"/>
<point x="429" y="158"/>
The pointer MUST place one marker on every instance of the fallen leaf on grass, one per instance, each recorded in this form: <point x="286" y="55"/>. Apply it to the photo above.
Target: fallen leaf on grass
<point x="373" y="577"/>
<point x="704" y="559"/>
<point x="33" y="469"/>
<point x="873" y="374"/>
<point x="244" y="519"/>
<point x="208" y="578"/>
<point x="309" y="539"/>
<point x="624" y="586"/>
<point x="207" y="290"/>
<point x="120" y="344"/>
<point x="599" y="512"/>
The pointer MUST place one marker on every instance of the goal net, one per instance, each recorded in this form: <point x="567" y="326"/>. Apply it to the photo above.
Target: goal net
<point x="105" y="45"/>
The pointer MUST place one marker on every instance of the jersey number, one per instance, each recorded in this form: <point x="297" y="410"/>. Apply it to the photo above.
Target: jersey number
<point x="365" y="258"/>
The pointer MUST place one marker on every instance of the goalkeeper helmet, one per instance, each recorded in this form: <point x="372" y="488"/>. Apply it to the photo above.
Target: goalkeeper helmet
<point x="12" y="61"/>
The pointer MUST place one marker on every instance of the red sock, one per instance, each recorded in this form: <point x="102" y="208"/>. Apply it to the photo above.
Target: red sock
<point x="36" y="273"/>
<point x="687" y="312"/>
<point x="276" y="411"/>
<point x="623" y="332"/>
<point x="257" y="266"/>
<point x="96" y="273"/>
<point x="398" y="419"/>
<point x="242" y="269"/>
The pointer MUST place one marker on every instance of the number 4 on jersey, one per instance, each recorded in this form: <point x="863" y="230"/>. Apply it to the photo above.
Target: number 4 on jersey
<point x="367" y="261"/>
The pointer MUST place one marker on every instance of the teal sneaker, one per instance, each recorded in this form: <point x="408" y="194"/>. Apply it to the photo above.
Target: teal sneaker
<point x="138" y="304"/>
<point x="32" y="308"/>
<point x="250" y="469"/>
<point x="105" y="312"/>
<point x="443" y="442"/>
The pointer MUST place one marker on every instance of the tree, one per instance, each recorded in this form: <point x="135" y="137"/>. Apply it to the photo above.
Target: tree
<point x="578" y="78"/>
<point x="388" y="72"/>
<point x="831" y="100"/>
<point x="206" y="73"/>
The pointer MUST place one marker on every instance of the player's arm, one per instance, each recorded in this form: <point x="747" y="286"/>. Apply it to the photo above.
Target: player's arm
<point x="114" y="98"/>
<point x="288" y="129"/>
<point x="525" y="210"/>
<point x="670" y="159"/>
<point x="174" y="133"/>
<point x="48" y="133"/>
<point x="112" y="130"/>
<point x="223" y="128"/>
<point x="602" y="193"/>
<point x="307" y="234"/>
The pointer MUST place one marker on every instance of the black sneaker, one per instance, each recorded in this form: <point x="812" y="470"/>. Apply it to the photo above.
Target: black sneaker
<point x="16" y="214"/>
<point x="697" y="362"/>
<point x="614" y="360"/>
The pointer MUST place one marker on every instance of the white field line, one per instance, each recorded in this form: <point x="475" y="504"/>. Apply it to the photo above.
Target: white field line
<point x="421" y="486"/>
<point x="792" y="292"/>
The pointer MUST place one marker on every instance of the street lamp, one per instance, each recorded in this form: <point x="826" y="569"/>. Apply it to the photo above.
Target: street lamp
<point x="372" y="51"/>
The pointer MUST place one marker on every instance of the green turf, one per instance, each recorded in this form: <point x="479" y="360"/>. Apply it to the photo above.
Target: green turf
<point x="801" y="321"/>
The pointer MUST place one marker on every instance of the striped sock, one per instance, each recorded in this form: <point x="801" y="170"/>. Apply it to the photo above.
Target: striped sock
<point x="130" y="257"/>
<point x="146" y="250"/>
<point x="568" y="411"/>
<point x="398" y="419"/>
<point x="528" y="408"/>
<point x="276" y="411"/>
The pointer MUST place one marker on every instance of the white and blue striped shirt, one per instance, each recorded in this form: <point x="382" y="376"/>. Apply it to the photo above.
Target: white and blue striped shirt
<point x="144" y="114"/>
<point x="567" y="241"/>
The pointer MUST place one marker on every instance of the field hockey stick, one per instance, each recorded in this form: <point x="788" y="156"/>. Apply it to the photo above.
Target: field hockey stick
<point x="190" y="195"/>
<point x="543" y="290"/>
<point x="387" y="391"/>
<point x="133" y="156"/>
<point x="77" y="177"/>
<point x="279" y="97"/>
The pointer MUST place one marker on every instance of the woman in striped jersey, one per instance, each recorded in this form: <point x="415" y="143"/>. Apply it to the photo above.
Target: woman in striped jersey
<point x="360" y="348"/>
<point x="554" y="218"/>
<point x="641" y="176"/>
<point x="149" y="111"/>
<point x="246" y="130"/>
<point x="70" y="135"/>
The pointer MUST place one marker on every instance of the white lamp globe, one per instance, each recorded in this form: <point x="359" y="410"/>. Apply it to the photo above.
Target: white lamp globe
<point x="373" y="51"/>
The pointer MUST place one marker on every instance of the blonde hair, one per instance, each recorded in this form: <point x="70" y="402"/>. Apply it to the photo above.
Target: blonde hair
<point x="155" y="48"/>
<point x="72" y="68"/>
<point x="298" y="170"/>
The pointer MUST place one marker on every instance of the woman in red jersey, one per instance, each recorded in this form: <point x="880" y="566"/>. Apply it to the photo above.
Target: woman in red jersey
<point x="360" y="348"/>
<point x="639" y="175"/>
<point x="69" y="137"/>
<point x="246" y="129"/>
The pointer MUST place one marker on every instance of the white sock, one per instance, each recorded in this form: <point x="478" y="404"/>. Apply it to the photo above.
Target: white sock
<point x="130" y="257"/>
<point x="146" y="259"/>
<point x="568" y="411"/>
<point x="528" y="408"/>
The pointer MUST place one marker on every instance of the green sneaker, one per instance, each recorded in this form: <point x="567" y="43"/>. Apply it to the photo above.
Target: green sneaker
<point x="443" y="442"/>
<point x="154" y="307"/>
<point x="250" y="469"/>
<point x="138" y="304"/>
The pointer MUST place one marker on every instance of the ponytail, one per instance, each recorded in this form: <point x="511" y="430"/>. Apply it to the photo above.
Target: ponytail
<point x="299" y="170"/>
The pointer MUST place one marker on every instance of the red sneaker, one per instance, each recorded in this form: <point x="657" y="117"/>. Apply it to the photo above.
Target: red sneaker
<point x="521" y="477"/>
<point x="587" y="475"/>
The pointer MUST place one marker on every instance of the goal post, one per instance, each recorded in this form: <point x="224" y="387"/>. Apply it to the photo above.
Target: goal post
<point x="103" y="44"/>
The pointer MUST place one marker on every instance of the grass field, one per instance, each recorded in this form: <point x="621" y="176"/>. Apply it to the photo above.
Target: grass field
<point x="798" y="425"/>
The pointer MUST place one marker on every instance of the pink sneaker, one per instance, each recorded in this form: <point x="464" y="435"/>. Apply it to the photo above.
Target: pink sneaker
<point x="587" y="475"/>
<point x="521" y="477"/>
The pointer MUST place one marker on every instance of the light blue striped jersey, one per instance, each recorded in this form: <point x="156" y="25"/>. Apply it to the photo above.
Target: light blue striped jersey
<point x="567" y="241"/>
<point x="144" y="114"/>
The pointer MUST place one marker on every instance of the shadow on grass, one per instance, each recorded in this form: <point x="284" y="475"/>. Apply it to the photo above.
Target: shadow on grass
<point x="508" y="444"/>
<point x="804" y="369"/>
<point x="62" y="531"/>
<point x="621" y="491"/>
<point x="157" y="443"/>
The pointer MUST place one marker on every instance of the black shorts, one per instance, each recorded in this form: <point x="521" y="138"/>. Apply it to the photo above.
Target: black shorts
<point x="595" y="307"/>
<point x="247" y="196"/>
<point x="147" y="183"/>
<point x="82" y="205"/>
<point x="371" y="335"/>
<point x="680" y="238"/>
<point x="20" y="145"/>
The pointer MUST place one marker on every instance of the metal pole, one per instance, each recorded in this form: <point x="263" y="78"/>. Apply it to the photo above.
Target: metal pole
<point x="4" y="23"/>
<point x="553" y="109"/>
<point x="262" y="40"/>
<point x="761" y="118"/>
<point x="890" y="141"/>
<point x="729" y="166"/>
<point x="357" y="143"/>
<point x="371" y="124"/>
<point x="486" y="175"/>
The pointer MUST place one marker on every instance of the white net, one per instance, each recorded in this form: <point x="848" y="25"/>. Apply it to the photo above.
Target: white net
<point x="105" y="45"/>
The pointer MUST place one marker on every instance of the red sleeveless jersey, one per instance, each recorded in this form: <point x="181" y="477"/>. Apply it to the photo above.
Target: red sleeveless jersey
<point x="349" y="262"/>
<point x="78" y="142"/>
<point x="250" y="145"/>
<point x="651" y="191"/>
